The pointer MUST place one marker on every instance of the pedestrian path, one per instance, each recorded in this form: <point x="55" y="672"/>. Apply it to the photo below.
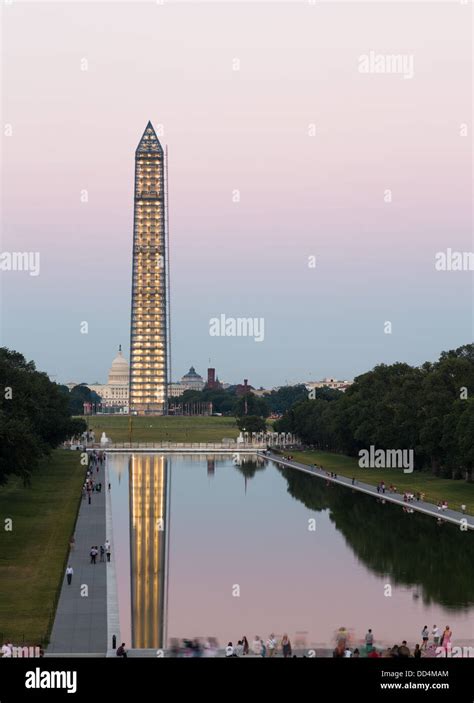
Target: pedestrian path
<point x="453" y="516"/>
<point x="80" y="625"/>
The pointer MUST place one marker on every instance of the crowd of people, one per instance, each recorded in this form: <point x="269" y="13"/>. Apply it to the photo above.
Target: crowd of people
<point x="194" y="648"/>
<point x="103" y="551"/>
<point x="259" y="648"/>
<point x="346" y="646"/>
<point x="439" y="640"/>
<point x="96" y="462"/>
<point x="210" y="647"/>
<point x="408" y="496"/>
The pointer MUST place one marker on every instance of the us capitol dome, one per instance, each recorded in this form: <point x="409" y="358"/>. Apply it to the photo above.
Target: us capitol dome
<point x="114" y="393"/>
<point x="119" y="371"/>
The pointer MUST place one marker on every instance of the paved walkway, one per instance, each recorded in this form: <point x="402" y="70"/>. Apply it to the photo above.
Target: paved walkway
<point x="420" y="506"/>
<point x="80" y="625"/>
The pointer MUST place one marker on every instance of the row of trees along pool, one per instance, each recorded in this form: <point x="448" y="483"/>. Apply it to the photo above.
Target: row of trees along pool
<point x="429" y="409"/>
<point x="34" y="416"/>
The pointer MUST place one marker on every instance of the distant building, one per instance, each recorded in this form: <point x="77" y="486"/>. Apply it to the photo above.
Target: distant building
<point x="261" y="392"/>
<point x="192" y="381"/>
<point x="115" y="392"/>
<point x="175" y="390"/>
<point x="333" y="383"/>
<point x="212" y="382"/>
<point x="244" y="388"/>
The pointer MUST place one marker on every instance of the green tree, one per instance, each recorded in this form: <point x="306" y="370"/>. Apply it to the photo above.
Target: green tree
<point x="465" y="438"/>
<point x="223" y="401"/>
<point x="79" y="395"/>
<point x="281" y="400"/>
<point x="442" y="387"/>
<point x="250" y="404"/>
<point x="251" y="423"/>
<point x="428" y="409"/>
<point x="34" y="416"/>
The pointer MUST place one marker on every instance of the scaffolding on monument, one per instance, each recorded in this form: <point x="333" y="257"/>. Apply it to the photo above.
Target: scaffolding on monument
<point x="167" y="273"/>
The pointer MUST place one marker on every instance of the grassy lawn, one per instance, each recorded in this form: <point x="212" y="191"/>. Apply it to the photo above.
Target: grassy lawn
<point x="163" y="429"/>
<point x="435" y="489"/>
<point x="33" y="554"/>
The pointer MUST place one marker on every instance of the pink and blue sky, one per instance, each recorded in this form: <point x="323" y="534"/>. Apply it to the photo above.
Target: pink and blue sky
<point x="246" y="130"/>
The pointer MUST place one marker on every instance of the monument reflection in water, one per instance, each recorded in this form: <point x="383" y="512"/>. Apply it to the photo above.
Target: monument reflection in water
<point x="149" y="516"/>
<point x="252" y="520"/>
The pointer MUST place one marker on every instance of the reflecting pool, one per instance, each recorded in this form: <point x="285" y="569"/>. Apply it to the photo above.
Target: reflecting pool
<point x="227" y="546"/>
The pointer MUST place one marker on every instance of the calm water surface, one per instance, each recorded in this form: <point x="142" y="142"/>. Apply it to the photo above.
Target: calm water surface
<point x="192" y="532"/>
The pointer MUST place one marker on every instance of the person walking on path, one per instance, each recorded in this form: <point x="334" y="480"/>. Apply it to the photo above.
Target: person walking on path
<point x="72" y="543"/>
<point x="102" y="552"/>
<point x="425" y="633"/>
<point x="107" y="549"/>
<point x="69" y="573"/>
<point x="93" y="554"/>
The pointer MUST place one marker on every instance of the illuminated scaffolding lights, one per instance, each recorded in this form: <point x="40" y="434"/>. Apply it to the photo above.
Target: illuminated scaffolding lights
<point x="149" y="318"/>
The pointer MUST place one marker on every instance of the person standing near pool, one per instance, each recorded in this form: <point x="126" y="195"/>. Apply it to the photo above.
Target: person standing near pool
<point x="369" y="640"/>
<point x="446" y="638"/>
<point x="257" y="646"/>
<point x="286" y="646"/>
<point x="271" y="645"/>
<point x="425" y="633"/>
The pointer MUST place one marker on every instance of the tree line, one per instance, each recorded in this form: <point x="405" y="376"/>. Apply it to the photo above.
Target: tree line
<point x="227" y="402"/>
<point x="429" y="409"/>
<point x="34" y="416"/>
